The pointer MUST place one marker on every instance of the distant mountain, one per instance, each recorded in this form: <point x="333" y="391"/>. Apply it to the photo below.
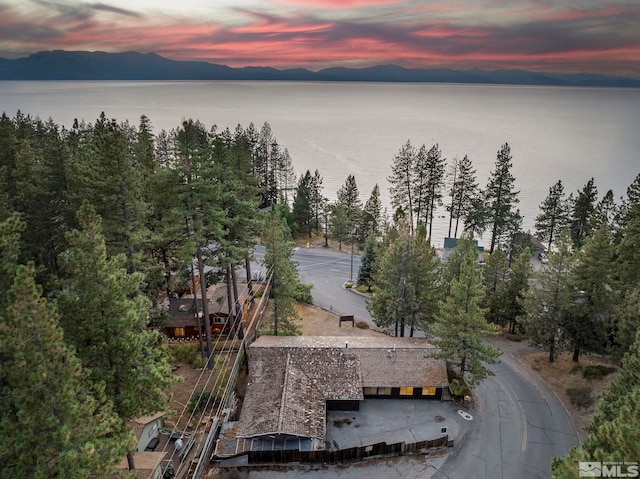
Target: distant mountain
<point x="80" y="65"/>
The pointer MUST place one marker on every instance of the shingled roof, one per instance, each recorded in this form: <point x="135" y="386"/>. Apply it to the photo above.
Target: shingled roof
<point x="292" y="377"/>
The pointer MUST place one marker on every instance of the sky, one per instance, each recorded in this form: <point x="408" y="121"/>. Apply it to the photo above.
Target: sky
<point x="566" y="36"/>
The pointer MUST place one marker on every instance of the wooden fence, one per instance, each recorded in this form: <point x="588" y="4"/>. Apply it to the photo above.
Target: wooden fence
<point x="343" y="455"/>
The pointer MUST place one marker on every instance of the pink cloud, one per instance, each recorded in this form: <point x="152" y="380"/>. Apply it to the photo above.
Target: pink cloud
<point x="603" y="39"/>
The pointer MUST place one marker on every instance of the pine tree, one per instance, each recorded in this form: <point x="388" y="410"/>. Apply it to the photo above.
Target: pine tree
<point x="200" y="198"/>
<point x="367" y="262"/>
<point x="435" y="167"/>
<point x="349" y="198"/>
<point x="495" y="274"/>
<point x="547" y="301"/>
<point x="604" y="213"/>
<point x="614" y="434"/>
<point x="338" y="223"/>
<point x="102" y="170"/>
<point x="505" y="306"/>
<point x="500" y="198"/>
<point x="52" y="427"/>
<point x="302" y="212"/>
<point x="460" y="324"/>
<point x="406" y="283"/>
<point x="106" y="322"/>
<point x="402" y="180"/>
<point x="554" y="215"/>
<point x="277" y="259"/>
<point x="464" y="189"/>
<point x="317" y="201"/>
<point x="583" y="208"/>
<point x="371" y="215"/>
<point x="591" y="284"/>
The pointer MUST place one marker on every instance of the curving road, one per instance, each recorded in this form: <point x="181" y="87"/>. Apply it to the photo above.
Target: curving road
<point x="519" y="423"/>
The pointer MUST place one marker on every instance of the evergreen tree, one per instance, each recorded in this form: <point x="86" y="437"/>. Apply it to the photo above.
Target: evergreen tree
<point x="625" y="323"/>
<point x="406" y="283"/>
<point x="500" y="198"/>
<point x="547" y="301"/>
<point x="460" y="324"/>
<point x="266" y="156"/>
<point x="453" y="264"/>
<point x="106" y="322"/>
<point x="464" y="189"/>
<point x="583" y="208"/>
<point x="505" y="306"/>
<point x="236" y="211"/>
<point x="435" y="167"/>
<point x="51" y="426"/>
<point x="591" y="284"/>
<point x="626" y="320"/>
<point x="371" y="215"/>
<point x="102" y="170"/>
<point x="349" y="198"/>
<point x="554" y="215"/>
<point x="495" y="274"/>
<point x="286" y="177"/>
<point x="277" y="259"/>
<point x="367" y="262"/>
<point x="302" y="212"/>
<point x="338" y="223"/>
<point x="604" y="213"/>
<point x="614" y="434"/>
<point x="317" y="201"/>
<point x="632" y="199"/>
<point x="200" y="197"/>
<point x="402" y="180"/>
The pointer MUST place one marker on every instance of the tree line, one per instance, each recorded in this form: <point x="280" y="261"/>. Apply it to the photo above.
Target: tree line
<point x="102" y="221"/>
<point x="99" y="223"/>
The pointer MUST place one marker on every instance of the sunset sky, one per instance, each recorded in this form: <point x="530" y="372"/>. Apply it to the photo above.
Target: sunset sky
<point x="599" y="36"/>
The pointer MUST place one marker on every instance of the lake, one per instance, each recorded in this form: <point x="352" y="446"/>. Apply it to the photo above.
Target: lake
<point x="568" y="134"/>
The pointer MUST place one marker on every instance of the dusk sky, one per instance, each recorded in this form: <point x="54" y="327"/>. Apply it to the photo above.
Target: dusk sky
<point x="598" y="36"/>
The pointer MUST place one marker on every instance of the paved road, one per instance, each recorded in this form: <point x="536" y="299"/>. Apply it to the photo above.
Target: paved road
<point x="519" y="424"/>
<point x="327" y="271"/>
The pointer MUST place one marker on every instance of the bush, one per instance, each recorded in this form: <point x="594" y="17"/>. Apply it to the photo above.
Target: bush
<point x="362" y="325"/>
<point x="188" y="353"/>
<point x="202" y="398"/>
<point x="303" y="293"/>
<point x="597" y="371"/>
<point x="457" y="385"/>
<point x="580" y="397"/>
<point x="363" y="288"/>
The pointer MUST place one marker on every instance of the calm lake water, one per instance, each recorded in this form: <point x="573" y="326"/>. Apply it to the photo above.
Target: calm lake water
<point x="568" y="134"/>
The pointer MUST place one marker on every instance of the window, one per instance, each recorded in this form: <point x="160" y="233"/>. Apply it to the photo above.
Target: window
<point x="384" y="391"/>
<point x="370" y="391"/>
<point x="179" y="332"/>
<point x="431" y="391"/>
<point x="408" y="391"/>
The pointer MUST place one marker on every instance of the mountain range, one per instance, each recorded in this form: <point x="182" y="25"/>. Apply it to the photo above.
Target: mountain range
<point x="83" y="65"/>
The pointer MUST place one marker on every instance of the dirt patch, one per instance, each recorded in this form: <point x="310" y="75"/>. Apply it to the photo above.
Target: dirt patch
<point x="566" y="378"/>
<point x="319" y="322"/>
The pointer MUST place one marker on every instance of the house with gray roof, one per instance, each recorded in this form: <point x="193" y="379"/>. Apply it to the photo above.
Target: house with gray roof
<point x="294" y="380"/>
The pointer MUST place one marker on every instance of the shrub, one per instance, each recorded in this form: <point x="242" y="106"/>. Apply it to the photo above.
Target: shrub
<point x="303" y="293"/>
<point x="363" y="288"/>
<point x="580" y="397"/>
<point x="576" y="369"/>
<point x="362" y="325"/>
<point x="188" y="353"/>
<point x="597" y="371"/>
<point x="202" y="398"/>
